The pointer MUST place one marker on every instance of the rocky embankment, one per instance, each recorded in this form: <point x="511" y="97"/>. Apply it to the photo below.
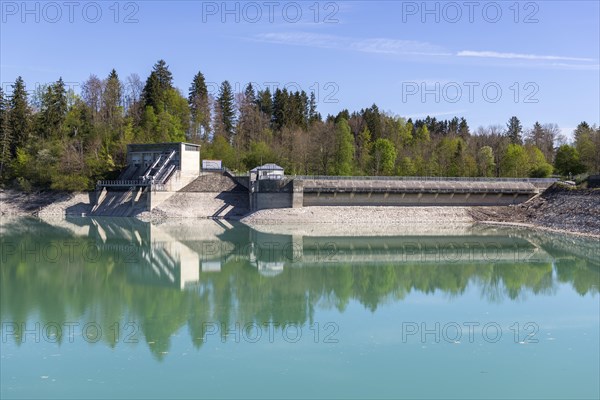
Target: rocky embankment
<point x="208" y="196"/>
<point x="559" y="208"/>
<point x="15" y="203"/>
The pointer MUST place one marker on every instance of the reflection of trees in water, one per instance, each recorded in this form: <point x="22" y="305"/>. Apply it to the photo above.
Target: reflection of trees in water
<point x="515" y="280"/>
<point x="102" y="291"/>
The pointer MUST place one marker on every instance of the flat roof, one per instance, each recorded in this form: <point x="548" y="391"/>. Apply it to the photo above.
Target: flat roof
<point x="163" y="144"/>
<point x="268" y="167"/>
<point x="163" y="147"/>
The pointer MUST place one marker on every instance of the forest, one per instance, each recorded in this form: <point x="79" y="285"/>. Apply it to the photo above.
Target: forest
<point x="55" y="138"/>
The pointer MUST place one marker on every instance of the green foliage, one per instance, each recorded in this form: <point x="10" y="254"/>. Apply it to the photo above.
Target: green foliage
<point x="260" y="153"/>
<point x="158" y="84"/>
<point x="567" y="161"/>
<point x="514" y="162"/>
<point x="485" y="161"/>
<point x="225" y="109"/>
<point x="199" y="104"/>
<point x="220" y="149"/>
<point x="514" y="129"/>
<point x="58" y="139"/>
<point x="538" y="167"/>
<point x="344" y="149"/>
<point x="587" y="143"/>
<point x="384" y="157"/>
<point x="19" y="116"/>
<point x="406" y="167"/>
<point x="70" y="183"/>
<point x="6" y="138"/>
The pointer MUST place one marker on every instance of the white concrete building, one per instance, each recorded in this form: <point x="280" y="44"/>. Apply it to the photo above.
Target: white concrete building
<point x="267" y="171"/>
<point x="186" y="156"/>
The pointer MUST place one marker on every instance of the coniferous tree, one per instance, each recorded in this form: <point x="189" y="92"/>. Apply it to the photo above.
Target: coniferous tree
<point x="249" y="121"/>
<point x="463" y="128"/>
<point x="312" y="109"/>
<point x="54" y="110"/>
<point x="280" y="102"/>
<point x="199" y="103"/>
<point x="264" y="99"/>
<point x="226" y="109"/>
<point x="158" y="84"/>
<point x="19" y="116"/>
<point x="112" y="100"/>
<point x="5" y="136"/>
<point x="373" y="120"/>
<point x="514" y="129"/>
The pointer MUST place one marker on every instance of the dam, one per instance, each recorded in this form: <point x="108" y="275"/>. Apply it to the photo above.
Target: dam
<point x="171" y="174"/>
<point x="306" y="191"/>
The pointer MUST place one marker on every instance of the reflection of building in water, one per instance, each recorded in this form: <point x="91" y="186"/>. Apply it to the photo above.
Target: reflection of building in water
<point x="211" y="266"/>
<point x="178" y="256"/>
<point x="266" y="268"/>
<point x="150" y="254"/>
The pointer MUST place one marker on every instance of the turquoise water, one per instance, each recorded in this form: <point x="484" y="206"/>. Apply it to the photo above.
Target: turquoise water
<point x="97" y="308"/>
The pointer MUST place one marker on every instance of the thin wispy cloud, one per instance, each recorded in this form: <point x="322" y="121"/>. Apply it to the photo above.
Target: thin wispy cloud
<point x="389" y="46"/>
<point x="377" y="45"/>
<point x="518" y="56"/>
<point x="397" y="46"/>
<point x="300" y="39"/>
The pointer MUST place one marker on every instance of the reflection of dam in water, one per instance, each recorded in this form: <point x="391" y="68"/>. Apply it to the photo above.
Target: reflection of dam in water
<point x="179" y="255"/>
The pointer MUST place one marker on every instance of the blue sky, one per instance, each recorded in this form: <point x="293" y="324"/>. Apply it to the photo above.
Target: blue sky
<point x="485" y="61"/>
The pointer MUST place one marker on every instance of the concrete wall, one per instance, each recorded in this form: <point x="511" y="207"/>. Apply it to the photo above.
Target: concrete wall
<point x="157" y="198"/>
<point x="411" y="199"/>
<point x="187" y="156"/>
<point x="277" y="193"/>
<point x="297" y="194"/>
<point x="261" y="201"/>
<point x="189" y="160"/>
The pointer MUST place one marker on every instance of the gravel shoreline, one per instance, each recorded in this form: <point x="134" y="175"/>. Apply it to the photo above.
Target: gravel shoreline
<point x="558" y="209"/>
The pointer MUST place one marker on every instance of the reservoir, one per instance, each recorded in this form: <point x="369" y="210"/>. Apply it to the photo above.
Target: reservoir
<point x="116" y="307"/>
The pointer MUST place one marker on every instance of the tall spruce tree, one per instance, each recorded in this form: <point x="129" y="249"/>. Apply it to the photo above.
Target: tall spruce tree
<point x="313" y="116"/>
<point x="264" y="99"/>
<point x="226" y="109"/>
<point x="112" y="100"/>
<point x="280" y="103"/>
<point x="5" y="136"/>
<point x="19" y="116"/>
<point x="158" y="84"/>
<point x="199" y="103"/>
<point x="514" y="129"/>
<point x="54" y="110"/>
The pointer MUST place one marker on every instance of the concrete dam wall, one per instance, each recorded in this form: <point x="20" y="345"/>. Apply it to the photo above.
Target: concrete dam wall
<point x="415" y="193"/>
<point x="370" y="191"/>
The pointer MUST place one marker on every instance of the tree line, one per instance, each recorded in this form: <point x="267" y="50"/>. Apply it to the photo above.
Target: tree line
<point x="56" y="138"/>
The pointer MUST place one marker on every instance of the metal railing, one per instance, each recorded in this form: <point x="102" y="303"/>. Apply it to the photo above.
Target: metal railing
<point x="129" y="183"/>
<point x="422" y="178"/>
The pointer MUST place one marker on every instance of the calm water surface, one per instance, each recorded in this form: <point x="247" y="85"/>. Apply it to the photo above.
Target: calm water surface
<point x="95" y="308"/>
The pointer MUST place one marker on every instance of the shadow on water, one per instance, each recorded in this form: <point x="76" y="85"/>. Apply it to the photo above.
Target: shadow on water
<point x="176" y="275"/>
